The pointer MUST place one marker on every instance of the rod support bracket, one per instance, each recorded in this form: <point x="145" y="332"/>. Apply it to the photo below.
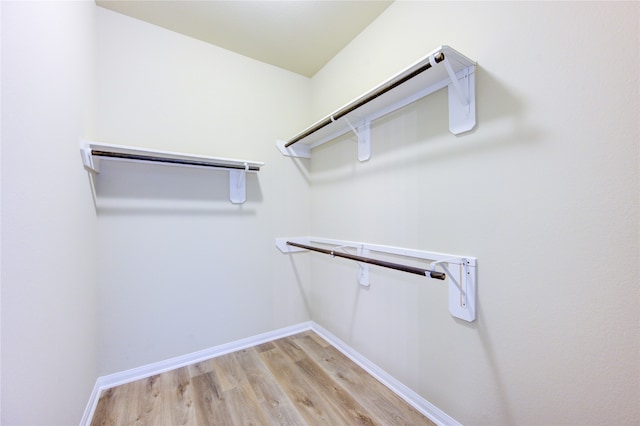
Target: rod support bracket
<point x="364" y="141"/>
<point x="237" y="186"/>
<point x="461" y="277"/>
<point x="363" y="268"/>
<point x="462" y="99"/>
<point x="363" y="133"/>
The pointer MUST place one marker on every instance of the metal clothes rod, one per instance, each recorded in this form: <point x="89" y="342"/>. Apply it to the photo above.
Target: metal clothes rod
<point x="391" y="265"/>
<point x="346" y="110"/>
<point x="151" y="158"/>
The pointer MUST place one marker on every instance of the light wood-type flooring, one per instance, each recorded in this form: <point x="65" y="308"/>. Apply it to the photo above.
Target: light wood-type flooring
<point x="297" y="380"/>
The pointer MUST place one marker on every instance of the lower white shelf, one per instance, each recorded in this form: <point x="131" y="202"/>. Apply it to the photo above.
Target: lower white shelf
<point x="94" y="152"/>
<point x="459" y="272"/>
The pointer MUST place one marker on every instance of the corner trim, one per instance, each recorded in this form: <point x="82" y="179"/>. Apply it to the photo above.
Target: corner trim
<point x="87" y="416"/>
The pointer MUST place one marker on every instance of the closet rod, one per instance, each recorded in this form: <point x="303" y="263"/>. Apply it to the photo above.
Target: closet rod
<point x="349" y="108"/>
<point x="396" y="266"/>
<point x="139" y="157"/>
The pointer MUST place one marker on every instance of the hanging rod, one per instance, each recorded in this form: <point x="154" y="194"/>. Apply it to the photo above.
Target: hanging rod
<point x="370" y="97"/>
<point x="151" y="158"/>
<point x="391" y="265"/>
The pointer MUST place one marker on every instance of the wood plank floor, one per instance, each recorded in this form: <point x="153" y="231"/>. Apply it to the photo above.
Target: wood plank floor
<point x="297" y="380"/>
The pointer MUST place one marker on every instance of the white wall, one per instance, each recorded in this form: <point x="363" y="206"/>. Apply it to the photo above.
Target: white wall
<point x="49" y="323"/>
<point x="181" y="268"/>
<point x="544" y="192"/>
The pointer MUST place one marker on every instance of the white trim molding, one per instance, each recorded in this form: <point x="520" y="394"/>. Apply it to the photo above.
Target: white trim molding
<point x="105" y="382"/>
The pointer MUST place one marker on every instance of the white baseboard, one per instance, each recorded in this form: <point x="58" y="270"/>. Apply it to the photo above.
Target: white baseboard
<point x="116" y="379"/>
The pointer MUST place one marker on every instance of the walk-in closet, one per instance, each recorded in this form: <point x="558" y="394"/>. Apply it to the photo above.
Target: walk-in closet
<point x="214" y="214"/>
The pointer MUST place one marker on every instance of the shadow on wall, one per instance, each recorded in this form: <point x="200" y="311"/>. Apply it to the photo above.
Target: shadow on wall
<point x="299" y="281"/>
<point x="144" y="188"/>
<point x="499" y="386"/>
<point x="418" y="134"/>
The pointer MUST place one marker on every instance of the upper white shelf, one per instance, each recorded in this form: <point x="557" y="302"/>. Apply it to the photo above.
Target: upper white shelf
<point x="93" y="152"/>
<point x="443" y="67"/>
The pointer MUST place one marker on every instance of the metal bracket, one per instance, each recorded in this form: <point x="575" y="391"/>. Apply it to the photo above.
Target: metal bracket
<point x="363" y="268"/>
<point x="364" y="139"/>
<point x="462" y="99"/>
<point x="462" y="287"/>
<point x="238" y="185"/>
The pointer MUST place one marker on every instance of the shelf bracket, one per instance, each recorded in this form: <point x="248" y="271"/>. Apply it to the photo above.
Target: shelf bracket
<point x="238" y="185"/>
<point x="462" y="99"/>
<point x="363" y="133"/>
<point x="462" y="287"/>
<point x="363" y="268"/>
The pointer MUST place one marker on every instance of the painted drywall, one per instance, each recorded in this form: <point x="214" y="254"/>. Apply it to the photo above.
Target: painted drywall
<point x="544" y="192"/>
<point x="49" y="323"/>
<point x="181" y="268"/>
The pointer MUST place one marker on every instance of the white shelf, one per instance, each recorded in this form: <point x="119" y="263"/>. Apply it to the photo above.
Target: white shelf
<point x="459" y="272"/>
<point x="94" y="152"/>
<point x="443" y="67"/>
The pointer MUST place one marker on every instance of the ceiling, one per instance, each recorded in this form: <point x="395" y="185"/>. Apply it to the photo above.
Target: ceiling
<point x="297" y="35"/>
